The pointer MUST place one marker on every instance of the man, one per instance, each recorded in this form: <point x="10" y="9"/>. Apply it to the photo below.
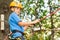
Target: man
<point x="17" y="27"/>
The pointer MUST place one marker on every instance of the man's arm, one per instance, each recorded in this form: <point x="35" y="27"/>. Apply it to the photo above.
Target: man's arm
<point x="26" y="27"/>
<point x="25" y="23"/>
<point x="28" y="23"/>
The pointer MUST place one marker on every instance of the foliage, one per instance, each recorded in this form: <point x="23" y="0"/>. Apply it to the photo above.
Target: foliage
<point x="40" y="8"/>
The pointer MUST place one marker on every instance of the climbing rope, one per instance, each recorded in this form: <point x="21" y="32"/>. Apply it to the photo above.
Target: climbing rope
<point x="50" y="14"/>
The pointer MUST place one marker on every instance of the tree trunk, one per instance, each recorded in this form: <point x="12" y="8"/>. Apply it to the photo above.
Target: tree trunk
<point x="4" y="9"/>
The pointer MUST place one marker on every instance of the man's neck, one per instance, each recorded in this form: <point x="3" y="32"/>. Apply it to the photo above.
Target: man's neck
<point x="17" y="13"/>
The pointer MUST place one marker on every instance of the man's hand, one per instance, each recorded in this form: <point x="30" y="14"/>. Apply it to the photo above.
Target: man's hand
<point x="31" y="25"/>
<point x="36" y="21"/>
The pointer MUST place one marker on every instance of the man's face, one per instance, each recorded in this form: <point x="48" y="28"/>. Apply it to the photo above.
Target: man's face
<point x="17" y="10"/>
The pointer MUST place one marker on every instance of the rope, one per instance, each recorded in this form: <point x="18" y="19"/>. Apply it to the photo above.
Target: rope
<point x="50" y="14"/>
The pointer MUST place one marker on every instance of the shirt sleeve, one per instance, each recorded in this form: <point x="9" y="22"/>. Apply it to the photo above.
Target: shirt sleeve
<point x="16" y="18"/>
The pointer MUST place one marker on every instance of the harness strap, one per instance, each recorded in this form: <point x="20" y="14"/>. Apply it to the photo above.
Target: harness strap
<point x="14" y="31"/>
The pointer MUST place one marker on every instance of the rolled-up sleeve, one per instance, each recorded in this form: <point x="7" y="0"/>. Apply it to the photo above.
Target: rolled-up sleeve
<point x="16" y="18"/>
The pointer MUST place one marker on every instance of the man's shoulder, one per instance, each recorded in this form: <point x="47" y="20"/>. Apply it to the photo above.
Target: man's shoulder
<point x="12" y="14"/>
